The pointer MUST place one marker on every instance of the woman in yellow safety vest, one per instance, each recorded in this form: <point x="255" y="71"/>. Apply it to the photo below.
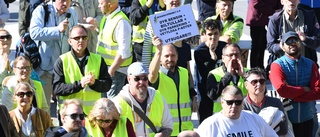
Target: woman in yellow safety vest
<point x="22" y="70"/>
<point x="104" y="120"/>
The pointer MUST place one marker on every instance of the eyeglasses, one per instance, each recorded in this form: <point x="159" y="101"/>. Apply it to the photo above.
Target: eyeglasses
<point x="8" y="37"/>
<point x="232" y="54"/>
<point x="76" y="116"/>
<point x="64" y="0"/>
<point x="136" y="79"/>
<point x="293" y="41"/>
<point x="255" y="81"/>
<point x="80" y="37"/>
<point x="236" y="102"/>
<point x="22" y="94"/>
<point x="24" y="68"/>
<point x="100" y="121"/>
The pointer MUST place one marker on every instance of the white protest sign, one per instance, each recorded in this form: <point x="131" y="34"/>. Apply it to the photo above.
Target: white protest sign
<point x="175" y="24"/>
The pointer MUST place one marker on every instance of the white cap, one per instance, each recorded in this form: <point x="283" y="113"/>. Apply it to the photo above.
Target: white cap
<point x="136" y="69"/>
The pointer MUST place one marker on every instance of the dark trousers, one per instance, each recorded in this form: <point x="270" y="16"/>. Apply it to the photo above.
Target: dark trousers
<point x="303" y="129"/>
<point x="205" y="108"/>
<point x="137" y="51"/>
<point x="258" y="46"/>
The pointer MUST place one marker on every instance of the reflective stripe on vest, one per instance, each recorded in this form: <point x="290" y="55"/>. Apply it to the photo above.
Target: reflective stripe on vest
<point x="139" y="30"/>
<point x="72" y="73"/>
<point x="119" y="131"/>
<point x="182" y="105"/>
<point x="168" y="89"/>
<point x="218" y="74"/>
<point x="38" y="91"/>
<point x="107" y="47"/>
<point x="155" y="111"/>
<point x="185" y="118"/>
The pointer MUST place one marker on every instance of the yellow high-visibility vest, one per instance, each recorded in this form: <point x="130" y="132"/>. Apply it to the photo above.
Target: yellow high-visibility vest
<point x="218" y="74"/>
<point x="107" y="47"/>
<point x="119" y="131"/>
<point x="139" y="30"/>
<point x="168" y="89"/>
<point x="72" y="73"/>
<point x="236" y="27"/>
<point x="155" y="112"/>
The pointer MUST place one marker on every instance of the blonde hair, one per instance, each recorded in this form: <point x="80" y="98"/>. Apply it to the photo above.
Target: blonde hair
<point x="103" y="106"/>
<point x="66" y="103"/>
<point x="21" y="58"/>
<point x="21" y="85"/>
<point x="2" y="29"/>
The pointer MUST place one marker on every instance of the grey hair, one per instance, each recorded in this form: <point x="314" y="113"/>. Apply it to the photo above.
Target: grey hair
<point x="231" y="90"/>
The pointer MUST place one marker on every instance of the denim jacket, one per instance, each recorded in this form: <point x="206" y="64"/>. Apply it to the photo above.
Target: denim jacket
<point x="4" y="13"/>
<point x="53" y="43"/>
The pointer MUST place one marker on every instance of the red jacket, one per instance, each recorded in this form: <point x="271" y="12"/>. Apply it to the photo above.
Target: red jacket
<point x="259" y="11"/>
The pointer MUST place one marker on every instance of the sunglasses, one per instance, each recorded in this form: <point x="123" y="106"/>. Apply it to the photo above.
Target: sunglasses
<point x="292" y="41"/>
<point x="5" y="37"/>
<point x="100" y="121"/>
<point x="76" y="116"/>
<point x="80" y="37"/>
<point x="24" y="68"/>
<point x="22" y="94"/>
<point x="255" y="81"/>
<point x="230" y="102"/>
<point x="137" y="79"/>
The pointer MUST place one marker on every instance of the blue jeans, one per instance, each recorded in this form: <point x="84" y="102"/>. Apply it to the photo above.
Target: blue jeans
<point x="118" y="81"/>
<point x="315" y="120"/>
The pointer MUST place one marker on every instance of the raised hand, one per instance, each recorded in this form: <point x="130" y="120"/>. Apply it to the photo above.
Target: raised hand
<point x="63" y="26"/>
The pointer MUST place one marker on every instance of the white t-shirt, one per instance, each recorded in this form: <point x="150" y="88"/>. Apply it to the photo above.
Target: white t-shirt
<point x="248" y="124"/>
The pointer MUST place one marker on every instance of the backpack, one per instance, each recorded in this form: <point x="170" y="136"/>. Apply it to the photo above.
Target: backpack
<point x="9" y="1"/>
<point x="29" y="47"/>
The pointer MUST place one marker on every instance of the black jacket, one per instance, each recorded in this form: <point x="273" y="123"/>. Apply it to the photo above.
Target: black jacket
<point x="139" y="12"/>
<point x="60" y="132"/>
<point x="102" y="84"/>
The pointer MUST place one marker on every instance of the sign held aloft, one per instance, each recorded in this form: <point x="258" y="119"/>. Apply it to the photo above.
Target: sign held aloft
<point x="175" y="24"/>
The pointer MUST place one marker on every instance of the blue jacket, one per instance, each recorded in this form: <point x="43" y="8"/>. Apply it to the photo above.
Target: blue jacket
<point x="53" y="43"/>
<point x="298" y="73"/>
<point x="4" y="13"/>
<point x="311" y="3"/>
<point x="206" y="8"/>
<point x="275" y="30"/>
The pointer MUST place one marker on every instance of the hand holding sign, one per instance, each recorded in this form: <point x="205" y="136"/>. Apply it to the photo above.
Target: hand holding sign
<point x="175" y="24"/>
<point x="156" y="41"/>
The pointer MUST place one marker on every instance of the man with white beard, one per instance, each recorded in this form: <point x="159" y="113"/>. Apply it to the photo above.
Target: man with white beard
<point x="145" y="98"/>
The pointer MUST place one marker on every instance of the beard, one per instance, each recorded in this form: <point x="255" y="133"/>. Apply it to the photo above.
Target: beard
<point x="170" y="65"/>
<point x="294" y="53"/>
<point x="142" y="94"/>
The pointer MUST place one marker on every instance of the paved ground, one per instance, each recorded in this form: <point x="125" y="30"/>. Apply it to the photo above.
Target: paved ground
<point x="240" y="9"/>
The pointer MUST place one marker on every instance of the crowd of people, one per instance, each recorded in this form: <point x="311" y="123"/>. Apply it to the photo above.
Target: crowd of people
<point x="113" y="77"/>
